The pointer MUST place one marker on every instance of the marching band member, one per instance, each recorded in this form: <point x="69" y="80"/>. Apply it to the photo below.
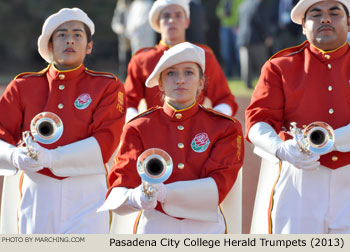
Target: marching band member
<point x="61" y="190"/>
<point x="171" y="18"/>
<point x="206" y="148"/>
<point x="305" y="84"/>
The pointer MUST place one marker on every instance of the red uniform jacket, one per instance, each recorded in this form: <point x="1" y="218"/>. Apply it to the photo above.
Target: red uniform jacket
<point x="143" y="63"/>
<point x="88" y="103"/>
<point x="212" y="146"/>
<point x="304" y="84"/>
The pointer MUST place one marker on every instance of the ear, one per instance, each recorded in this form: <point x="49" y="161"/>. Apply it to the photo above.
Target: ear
<point x="89" y="47"/>
<point x="160" y="85"/>
<point x="303" y="25"/>
<point x="188" y="22"/>
<point x="348" y="24"/>
<point x="201" y="85"/>
<point x="50" y="46"/>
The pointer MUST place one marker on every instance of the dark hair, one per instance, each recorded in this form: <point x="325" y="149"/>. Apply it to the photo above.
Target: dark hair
<point x="346" y="11"/>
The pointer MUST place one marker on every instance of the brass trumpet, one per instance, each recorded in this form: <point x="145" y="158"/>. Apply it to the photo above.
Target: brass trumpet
<point x="154" y="166"/>
<point x="46" y="128"/>
<point x="317" y="137"/>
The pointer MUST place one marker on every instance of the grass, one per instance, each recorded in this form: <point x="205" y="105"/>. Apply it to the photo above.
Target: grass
<point x="238" y="88"/>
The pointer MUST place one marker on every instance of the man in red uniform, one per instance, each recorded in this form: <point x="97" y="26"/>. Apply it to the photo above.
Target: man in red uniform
<point x="304" y="84"/>
<point x="62" y="187"/>
<point x="171" y="19"/>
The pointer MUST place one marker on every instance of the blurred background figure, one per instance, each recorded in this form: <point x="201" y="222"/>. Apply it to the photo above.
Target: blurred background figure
<point x="138" y="30"/>
<point x="252" y="39"/>
<point x="119" y="27"/>
<point x="196" y="32"/>
<point x="227" y="12"/>
<point x="285" y="32"/>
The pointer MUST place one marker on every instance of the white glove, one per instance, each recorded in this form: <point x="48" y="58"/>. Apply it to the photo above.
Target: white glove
<point x="138" y="199"/>
<point x="23" y="162"/>
<point x="289" y="151"/>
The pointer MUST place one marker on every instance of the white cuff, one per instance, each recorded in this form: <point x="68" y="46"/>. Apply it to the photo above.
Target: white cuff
<point x="131" y="113"/>
<point x="117" y="201"/>
<point x="342" y="139"/>
<point x="79" y="158"/>
<point x="223" y="108"/>
<point x="265" y="140"/>
<point x="195" y="199"/>
<point x="6" y="166"/>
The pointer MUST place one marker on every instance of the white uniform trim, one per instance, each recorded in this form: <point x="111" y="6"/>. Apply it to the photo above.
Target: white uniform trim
<point x="342" y="136"/>
<point x="79" y="158"/>
<point x="6" y="166"/>
<point x="195" y="199"/>
<point x="265" y="140"/>
<point x="223" y="108"/>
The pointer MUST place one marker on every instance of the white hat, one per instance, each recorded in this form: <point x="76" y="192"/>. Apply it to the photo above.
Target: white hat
<point x="55" y="20"/>
<point x="159" y="5"/>
<point x="183" y="52"/>
<point x="299" y="10"/>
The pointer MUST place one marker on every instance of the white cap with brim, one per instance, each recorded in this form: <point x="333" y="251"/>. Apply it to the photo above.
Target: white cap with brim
<point x="299" y="10"/>
<point x="54" y="21"/>
<point x="183" y="52"/>
<point x="159" y="5"/>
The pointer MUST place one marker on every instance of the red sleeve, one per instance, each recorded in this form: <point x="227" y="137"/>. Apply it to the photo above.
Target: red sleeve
<point x="134" y="85"/>
<point x="123" y="172"/>
<point x="267" y="102"/>
<point x="108" y="119"/>
<point x="11" y="113"/>
<point x="225" y="160"/>
<point x="218" y="90"/>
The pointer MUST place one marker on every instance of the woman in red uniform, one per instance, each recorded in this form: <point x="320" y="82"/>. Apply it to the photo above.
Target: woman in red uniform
<point x="62" y="188"/>
<point x="206" y="148"/>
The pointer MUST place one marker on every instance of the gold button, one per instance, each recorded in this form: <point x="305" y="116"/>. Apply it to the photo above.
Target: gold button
<point x="178" y="116"/>
<point x="180" y="166"/>
<point x="327" y="56"/>
<point x="334" y="158"/>
<point x="329" y="66"/>
<point x="60" y="106"/>
<point x="330" y="88"/>
<point x="61" y="87"/>
<point x="180" y="127"/>
<point x="331" y="111"/>
<point x="180" y="145"/>
<point x="61" y="76"/>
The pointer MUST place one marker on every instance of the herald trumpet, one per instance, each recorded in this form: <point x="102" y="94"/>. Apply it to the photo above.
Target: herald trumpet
<point x="46" y="128"/>
<point x="153" y="166"/>
<point x="317" y="137"/>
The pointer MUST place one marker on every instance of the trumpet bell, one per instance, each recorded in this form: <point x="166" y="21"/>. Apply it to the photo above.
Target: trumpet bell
<point x="319" y="137"/>
<point x="154" y="165"/>
<point x="46" y="127"/>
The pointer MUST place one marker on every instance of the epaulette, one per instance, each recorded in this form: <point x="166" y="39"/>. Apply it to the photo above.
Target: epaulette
<point x="205" y="47"/>
<point x="210" y="110"/>
<point x="101" y="74"/>
<point x="144" y="49"/>
<point x="32" y="74"/>
<point x="148" y="111"/>
<point x="290" y="50"/>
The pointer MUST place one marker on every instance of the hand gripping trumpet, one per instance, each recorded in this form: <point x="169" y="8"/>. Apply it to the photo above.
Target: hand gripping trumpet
<point x="154" y="166"/>
<point x="317" y="137"/>
<point x="46" y="128"/>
